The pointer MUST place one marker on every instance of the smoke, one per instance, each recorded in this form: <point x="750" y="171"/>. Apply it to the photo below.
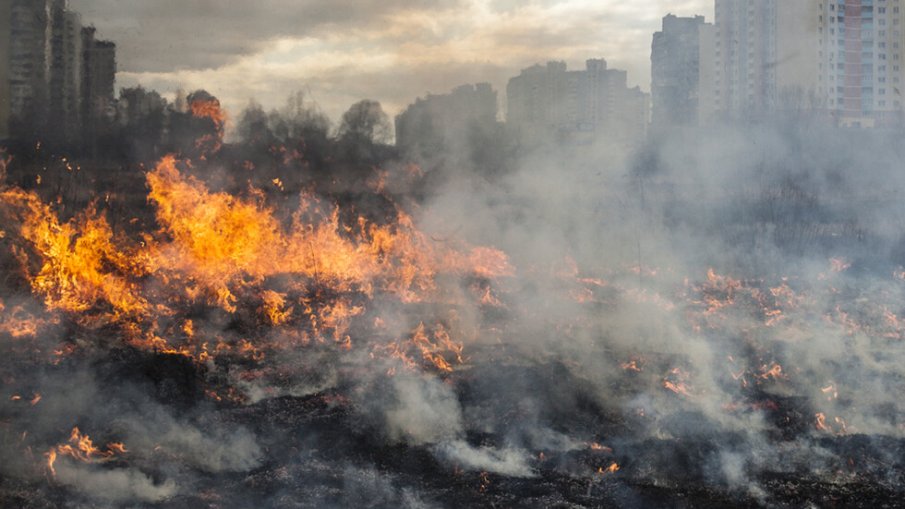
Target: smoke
<point x="710" y="309"/>
<point x="803" y="221"/>
<point x="509" y="462"/>
<point x="208" y="446"/>
<point x="423" y="410"/>
<point x="115" y="486"/>
<point x="370" y="488"/>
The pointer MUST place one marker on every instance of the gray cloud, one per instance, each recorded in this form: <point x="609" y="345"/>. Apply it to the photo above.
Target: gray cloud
<point x="169" y="35"/>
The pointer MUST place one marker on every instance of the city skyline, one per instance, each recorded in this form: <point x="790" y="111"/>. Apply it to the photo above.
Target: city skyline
<point x="837" y="60"/>
<point x="392" y="52"/>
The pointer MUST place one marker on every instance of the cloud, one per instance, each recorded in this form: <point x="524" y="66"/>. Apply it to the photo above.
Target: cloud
<point x="347" y="50"/>
<point x="167" y="35"/>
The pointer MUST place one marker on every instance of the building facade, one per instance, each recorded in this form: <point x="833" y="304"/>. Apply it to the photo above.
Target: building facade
<point x="28" y="65"/>
<point x="98" y="82"/>
<point x="860" y="71"/>
<point x="593" y="104"/>
<point x="54" y="71"/>
<point x="443" y="123"/>
<point x="764" y="56"/>
<point x="676" y="72"/>
<point x="64" y="73"/>
<point x="840" y="60"/>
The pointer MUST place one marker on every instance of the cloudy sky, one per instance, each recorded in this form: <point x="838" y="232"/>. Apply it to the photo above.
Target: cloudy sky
<point x="389" y="50"/>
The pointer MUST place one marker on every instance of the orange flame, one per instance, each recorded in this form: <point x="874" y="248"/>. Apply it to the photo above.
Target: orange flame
<point x="612" y="469"/>
<point x="80" y="447"/>
<point x="216" y="249"/>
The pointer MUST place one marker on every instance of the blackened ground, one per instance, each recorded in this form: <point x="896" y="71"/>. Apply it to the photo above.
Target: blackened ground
<point x="318" y="453"/>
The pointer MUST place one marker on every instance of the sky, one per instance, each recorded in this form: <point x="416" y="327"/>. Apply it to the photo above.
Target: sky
<point x="342" y="51"/>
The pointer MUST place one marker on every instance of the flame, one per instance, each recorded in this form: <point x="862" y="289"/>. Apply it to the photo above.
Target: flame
<point x="774" y="371"/>
<point x="612" y="469"/>
<point x="80" y="447"/>
<point x="631" y="365"/>
<point x="597" y="447"/>
<point x="830" y="391"/>
<point x="18" y="323"/>
<point x="275" y="308"/>
<point x="220" y="250"/>
<point x="676" y="381"/>
<point x="209" y="109"/>
<point x="436" y="349"/>
<point x="51" y="456"/>
<point x="74" y="276"/>
<point x="822" y="424"/>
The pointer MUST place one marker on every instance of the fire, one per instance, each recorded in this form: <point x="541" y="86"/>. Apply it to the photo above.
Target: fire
<point x="597" y="447"/>
<point x="676" y="387"/>
<point x="80" y="447"/>
<point x="719" y="291"/>
<point x="676" y="382"/>
<point x="612" y="469"/>
<point x="774" y="371"/>
<point x="18" y="323"/>
<point x="225" y="251"/>
<point x="275" y="307"/>
<point x="822" y="424"/>
<point x="631" y="365"/>
<point x="74" y="275"/>
<point x="218" y="239"/>
<point x="51" y="456"/>
<point x="209" y="109"/>
<point x="435" y="348"/>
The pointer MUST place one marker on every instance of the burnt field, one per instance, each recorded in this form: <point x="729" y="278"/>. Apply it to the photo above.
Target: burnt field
<point x="242" y="325"/>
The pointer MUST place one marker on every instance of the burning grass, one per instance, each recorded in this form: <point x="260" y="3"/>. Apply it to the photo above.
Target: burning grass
<point x="427" y="356"/>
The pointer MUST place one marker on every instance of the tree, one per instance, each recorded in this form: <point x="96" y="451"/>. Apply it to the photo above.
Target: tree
<point x="365" y="122"/>
<point x="254" y="125"/>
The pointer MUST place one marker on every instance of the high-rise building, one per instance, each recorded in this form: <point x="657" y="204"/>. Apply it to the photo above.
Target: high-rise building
<point x="65" y="67"/>
<point x="5" y="40"/>
<point x="28" y="69"/>
<point x="861" y="52"/>
<point x="98" y="81"/>
<point x="745" y="46"/>
<point x="764" y="52"/>
<point x="675" y="72"/>
<point x="54" y="71"/>
<point x="445" y="123"/>
<point x="594" y="104"/>
<point x="838" y="59"/>
<point x="706" y="74"/>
